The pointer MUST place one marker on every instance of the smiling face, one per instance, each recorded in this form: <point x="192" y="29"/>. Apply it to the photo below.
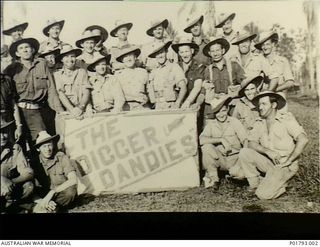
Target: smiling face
<point x="101" y="67"/>
<point x="250" y="91"/>
<point x="54" y="31"/>
<point x="227" y="27"/>
<point x="244" y="46"/>
<point x="266" y="107"/>
<point x="267" y="47"/>
<point x="122" y="33"/>
<point x="222" y="114"/>
<point x="25" y="51"/>
<point x="196" y="30"/>
<point x="69" y="60"/>
<point x="158" y="32"/>
<point x="216" y="52"/>
<point x="88" y="45"/>
<point x="185" y="52"/>
<point x="46" y="150"/>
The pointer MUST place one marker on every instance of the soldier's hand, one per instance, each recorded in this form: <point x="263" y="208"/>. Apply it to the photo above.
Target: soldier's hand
<point x="51" y="207"/>
<point x="274" y="156"/>
<point x="6" y="186"/>
<point x="76" y="112"/>
<point x="226" y="145"/>
<point x="18" y="133"/>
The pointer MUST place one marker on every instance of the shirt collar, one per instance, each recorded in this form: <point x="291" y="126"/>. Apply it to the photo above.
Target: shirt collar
<point x="223" y="63"/>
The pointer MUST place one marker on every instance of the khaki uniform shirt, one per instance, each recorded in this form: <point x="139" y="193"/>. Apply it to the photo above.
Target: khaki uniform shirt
<point x="50" y="45"/>
<point x="232" y="130"/>
<point x="253" y="66"/>
<point x="200" y="57"/>
<point x="281" y="136"/>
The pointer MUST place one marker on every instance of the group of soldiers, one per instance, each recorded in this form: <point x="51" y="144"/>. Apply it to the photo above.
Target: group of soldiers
<point x="236" y="85"/>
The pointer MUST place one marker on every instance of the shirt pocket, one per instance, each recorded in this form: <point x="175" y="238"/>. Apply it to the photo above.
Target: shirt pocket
<point x="41" y="82"/>
<point x="58" y="176"/>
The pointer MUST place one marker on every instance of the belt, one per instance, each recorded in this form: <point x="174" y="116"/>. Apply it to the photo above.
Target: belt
<point x="29" y="106"/>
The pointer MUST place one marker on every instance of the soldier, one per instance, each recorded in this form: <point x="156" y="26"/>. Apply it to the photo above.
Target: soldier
<point x="165" y="80"/>
<point x="72" y="84"/>
<point x="156" y="30"/>
<point x="221" y="141"/>
<point x="6" y="59"/>
<point x="275" y="143"/>
<point x="187" y="51"/>
<point x="34" y="85"/>
<point x="15" y="29"/>
<point x="225" y="22"/>
<point x="106" y="92"/>
<point x="133" y="80"/>
<point x="50" y="57"/>
<point x="103" y="33"/>
<point x="52" y="30"/>
<point x="120" y="31"/>
<point x="56" y="175"/>
<point x="195" y="28"/>
<point x="244" y="109"/>
<point x="16" y="173"/>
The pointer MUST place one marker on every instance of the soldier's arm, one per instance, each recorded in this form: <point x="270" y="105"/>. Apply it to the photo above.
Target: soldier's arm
<point x="273" y="84"/>
<point x="72" y="180"/>
<point x="118" y="96"/>
<point x="284" y="86"/>
<point x="206" y="137"/>
<point x="194" y="92"/>
<point x="53" y="98"/>
<point x="86" y="91"/>
<point x="182" y="92"/>
<point x="301" y="143"/>
<point x="24" y="169"/>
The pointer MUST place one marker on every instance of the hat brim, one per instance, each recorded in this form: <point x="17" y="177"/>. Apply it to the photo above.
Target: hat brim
<point x="6" y="125"/>
<point x="256" y="81"/>
<point x="76" y="51"/>
<point x="13" y="47"/>
<point x="55" y="52"/>
<point x="104" y="32"/>
<point x="47" y="28"/>
<point x="54" y="138"/>
<point x="244" y="38"/>
<point x="136" y="51"/>
<point x="96" y="38"/>
<point x="10" y="30"/>
<point x="281" y="102"/>
<point x="188" y="28"/>
<point x="164" y="47"/>
<point x="164" y="23"/>
<point x="225" y="44"/>
<point x="218" y="107"/>
<point x="230" y="17"/>
<point x="92" y="66"/>
<point x="194" y="46"/>
<point x="274" y="37"/>
<point x="113" y="32"/>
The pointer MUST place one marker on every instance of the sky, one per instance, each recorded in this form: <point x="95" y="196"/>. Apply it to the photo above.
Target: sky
<point x="80" y="14"/>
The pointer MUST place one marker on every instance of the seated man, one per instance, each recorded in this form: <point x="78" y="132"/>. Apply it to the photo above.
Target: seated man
<point x="106" y="92"/>
<point x="221" y="141"/>
<point x="167" y="87"/>
<point x="56" y="175"/>
<point x="16" y="173"/>
<point x="275" y="143"/>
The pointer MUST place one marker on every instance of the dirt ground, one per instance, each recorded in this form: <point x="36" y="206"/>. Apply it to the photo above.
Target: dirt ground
<point x="302" y="196"/>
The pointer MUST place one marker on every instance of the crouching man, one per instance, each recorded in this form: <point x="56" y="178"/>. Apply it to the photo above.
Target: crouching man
<point x="221" y="141"/>
<point x="275" y="143"/>
<point x="16" y="173"/>
<point x="58" y="177"/>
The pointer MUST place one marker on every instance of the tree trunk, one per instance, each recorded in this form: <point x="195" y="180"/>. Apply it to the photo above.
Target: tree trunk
<point x="317" y="41"/>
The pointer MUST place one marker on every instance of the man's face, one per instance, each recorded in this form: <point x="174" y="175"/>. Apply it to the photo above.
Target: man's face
<point x="54" y="31"/>
<point x="158" y="32"/>
<point x="51" y="60"/>
<point x="129" y="60"/>
<point x="69" y="60"/>
<point x="17" y="34"/>
<point x="216" y="52"/>
<point x="122" y="33"/>
<point x="196" y="30"/>
<point x="267" y="47"/>
<point x="185" y="52"/>
<point x="4" y="138"/>
<point x="46" y="150"/>
<point x="161" y="57"/>
<point x="222" y="115"/>
<point x="266" y="107"/>
<point x="250" y="91"/>
<point x="244" y="46"/>
<point x="25" y="51"/>
<point x="88" y="45"/>
<point x="227" y="27"/>
<point x="101" y="67"/>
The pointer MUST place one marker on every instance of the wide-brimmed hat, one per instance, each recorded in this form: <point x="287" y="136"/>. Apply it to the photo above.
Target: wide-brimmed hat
<point x="87" y="35"/>
<point x="256" y="80"/>
<point x="242" y="36"/>
<point x="156" y="23"/>
<point x="92" y="66"/>
<point x="4" y="124"/>
<point x="218" y="103"/>
<point x="96" y="28"/>
<point x="47" y="52"/>
<point x="281" y="102"/>
<point x="223" y="17"/>
<point x="33" y="42"/>
<point x="14" y="25"/>
<point x="67" y="49"/>
<point x="216" y="40"/>
<point x="44" y="137"/>
<point x="192" y="23"/>
<point x="159" y="48"/>
<point x="264" y="36"/>
<point x="50" y="23"/>
<point x="185" y="41"/>
<point x="119" y="24"/>
<point x="132" y="49"/>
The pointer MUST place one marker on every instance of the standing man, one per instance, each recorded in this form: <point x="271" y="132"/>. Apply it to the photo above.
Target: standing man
<point x="195" y="28"/>
<point x="165" y="80"/>
<point x="52" y="30"/>
<point x="15" y="29"/>
<point x="34" y="85"/>
<point x="275" y="144"/>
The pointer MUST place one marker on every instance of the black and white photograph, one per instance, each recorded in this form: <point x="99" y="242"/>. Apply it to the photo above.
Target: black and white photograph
<point x="173" y="106"/>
